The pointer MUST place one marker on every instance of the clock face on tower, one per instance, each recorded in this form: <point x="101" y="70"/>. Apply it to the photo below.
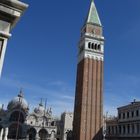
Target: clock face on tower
<point x="94" y="31"/>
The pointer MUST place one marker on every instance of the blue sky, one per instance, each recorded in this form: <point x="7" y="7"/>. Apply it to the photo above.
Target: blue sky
<point x="41" y="55"/>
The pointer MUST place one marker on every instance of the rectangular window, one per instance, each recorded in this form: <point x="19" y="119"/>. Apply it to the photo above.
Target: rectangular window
<point x="123" y="115"/>
<point x="127" y="114"/>
<point x="1" y="47"/>
<point x="137" y="113"/>
<point x="119" y="115"/>
<point x="132" y="114"/>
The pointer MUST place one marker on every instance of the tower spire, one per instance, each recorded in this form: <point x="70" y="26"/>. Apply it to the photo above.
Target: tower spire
<point x="93" y="16"/>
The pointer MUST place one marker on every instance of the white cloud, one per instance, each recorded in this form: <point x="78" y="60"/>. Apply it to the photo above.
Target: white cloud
<point x="121" y="90"/>
<point x="60" y="99"/>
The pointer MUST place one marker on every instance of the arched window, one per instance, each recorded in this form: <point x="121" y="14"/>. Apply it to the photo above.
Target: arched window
<point x="43" y="134"/>
<point x="99" y="47"/>
<point x="96" y="47"/>
<point x="32" y="134"/>
<point x="53" y="123"/>
<point x="89" y="45"/>
<point x="69" y="135"/>
<point x="92" y="45"/>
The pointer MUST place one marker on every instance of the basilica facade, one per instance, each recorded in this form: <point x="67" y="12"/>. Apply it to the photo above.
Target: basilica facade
<point x="37" y="124"/>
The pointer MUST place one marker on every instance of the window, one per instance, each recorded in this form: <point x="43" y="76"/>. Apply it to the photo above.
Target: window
<point x="1" y="47"/>
<point x="119" y="115"/>
<point x="123" y="115"/>
<point x="95" y="46"/>
<point x="89" y="45"/>
<point x="132" y="113"/>
<point x="92" y="45"/>
<point x="137" y="113"/>
<point x="124" y="129"/>
<point x="127" y="114"/>
<point x="116" y="129"/>
<point x="120" y="130"/>
<point x="133" y="129"/>
<point x="52" y="123"/>
<point x="99" y="47"/>
<point x="128" y="128"/>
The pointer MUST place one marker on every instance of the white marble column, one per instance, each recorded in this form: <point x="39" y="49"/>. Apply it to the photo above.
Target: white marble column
<point x="37" y="136"/>
<point x="6" y="133"/>
<point x="1" y="134"/>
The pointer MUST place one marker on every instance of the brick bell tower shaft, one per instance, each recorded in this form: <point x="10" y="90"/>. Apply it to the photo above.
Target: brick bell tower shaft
<point x="88" y="111"/>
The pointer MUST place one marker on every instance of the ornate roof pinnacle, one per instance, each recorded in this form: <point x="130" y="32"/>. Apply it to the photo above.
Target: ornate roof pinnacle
<point x="20" y="93"/>
<point x="41" y="102"/>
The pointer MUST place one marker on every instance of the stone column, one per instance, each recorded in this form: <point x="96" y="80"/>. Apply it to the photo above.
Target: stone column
<point x="6" y="133"/>
<point x="10" y="12"/>
<point x="135" y="129"/>
<point x="1" y="134"/>
<point x="52" y="135"/>
<point x="37" y="136"/>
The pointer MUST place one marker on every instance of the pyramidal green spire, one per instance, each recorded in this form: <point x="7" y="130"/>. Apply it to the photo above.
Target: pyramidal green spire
<point x="93" y="16"/>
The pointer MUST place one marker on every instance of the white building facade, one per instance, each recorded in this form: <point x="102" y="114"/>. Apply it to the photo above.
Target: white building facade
<point x="36" y="125"/>
<point x="10" y="12"/>
<point x="126" y="126"/>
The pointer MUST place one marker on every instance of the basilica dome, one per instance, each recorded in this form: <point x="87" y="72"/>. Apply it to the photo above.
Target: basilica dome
<point x="18" y="102"/>
<point x="40" y="109"/>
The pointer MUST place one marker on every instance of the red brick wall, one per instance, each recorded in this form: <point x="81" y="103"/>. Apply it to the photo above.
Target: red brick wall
<point x="88" y="100"/>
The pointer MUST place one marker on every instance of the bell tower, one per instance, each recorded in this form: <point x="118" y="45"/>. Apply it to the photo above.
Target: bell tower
<point x="88" y="111"/>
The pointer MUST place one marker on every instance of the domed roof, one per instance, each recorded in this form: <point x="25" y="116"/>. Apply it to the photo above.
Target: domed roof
<point x="40" y="109"/>
<point x="18" y="102"/>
